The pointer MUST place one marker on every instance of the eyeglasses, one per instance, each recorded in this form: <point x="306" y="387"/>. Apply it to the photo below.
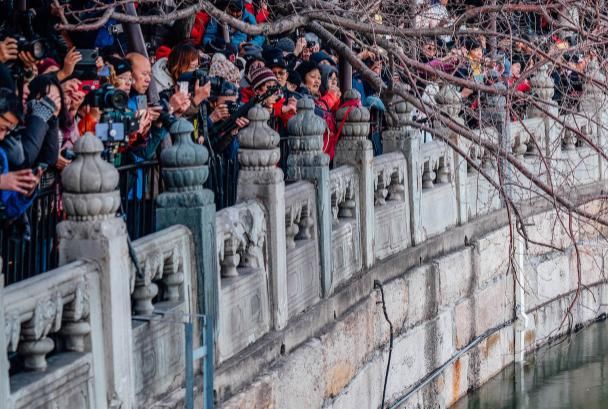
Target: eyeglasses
<point x="6" y="125"/>
<point x="280" y="73"/>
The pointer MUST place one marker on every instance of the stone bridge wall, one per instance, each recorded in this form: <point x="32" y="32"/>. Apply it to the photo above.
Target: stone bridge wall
<point x="286" y="276"/>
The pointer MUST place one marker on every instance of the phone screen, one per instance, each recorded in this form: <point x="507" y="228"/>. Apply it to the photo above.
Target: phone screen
<point x="183" y="87"/>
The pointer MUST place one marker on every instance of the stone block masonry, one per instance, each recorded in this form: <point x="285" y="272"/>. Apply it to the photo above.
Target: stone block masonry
<point x="455" y="312"/>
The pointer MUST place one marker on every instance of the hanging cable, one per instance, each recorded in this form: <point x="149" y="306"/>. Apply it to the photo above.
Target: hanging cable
<point x="378" y="286"/>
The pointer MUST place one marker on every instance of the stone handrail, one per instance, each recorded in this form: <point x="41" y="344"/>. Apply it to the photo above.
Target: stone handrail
<point x="64" y="302"/>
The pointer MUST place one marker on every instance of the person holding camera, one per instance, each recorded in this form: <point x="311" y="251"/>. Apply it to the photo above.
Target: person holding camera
<point x="46" y="112"/>
<point x="184" y="60"/>
<point x="236" y="9"/>
<point x="223" y="124"/>
<point x="17" y="188"/>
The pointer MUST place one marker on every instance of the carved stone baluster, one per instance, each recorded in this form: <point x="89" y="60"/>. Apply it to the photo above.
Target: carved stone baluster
<point x="443" y="172"/>
<point x="427" y="176"/>
<point x="519" y="145"/>
<point x="396" y="188"/>
<point x="75" y="326"/>
<point x="291" y="227"/>
<point x="335" y="208"/>
<point x="35" y="345"/>
<point x="569" y="140"/>
<point x="173" y="277"/>
<point x="231" y="258"/>
<point x="306" y="223"/>
<point x="380" y="191"/>
<point x="145" y="288"/>
<point x="348" y="206"/>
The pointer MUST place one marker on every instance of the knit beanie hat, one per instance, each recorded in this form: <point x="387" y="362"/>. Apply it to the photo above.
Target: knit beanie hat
<point x="261" y="75"/>
<point x="221" y="67"/>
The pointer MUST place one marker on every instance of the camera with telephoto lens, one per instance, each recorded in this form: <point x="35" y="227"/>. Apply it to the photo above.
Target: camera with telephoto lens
<point x="19" y="24"/>
<point x="116" y="122"/>
<point x="232" y="106"/>
<point x="36" y="47"/>
<point x="108" y="97"/>
<point x="202" y="76"/>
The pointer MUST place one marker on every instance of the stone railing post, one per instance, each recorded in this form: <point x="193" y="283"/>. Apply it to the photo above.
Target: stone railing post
<point x="94" y="231"/>
<point x="398" y="137"/>
<point x="261" y="179"/>
<point x="450" y="103"/>
<point x="307" y="161"/>
<point x="354" y="148"/>
<point x="543" y="88"/>
<point x="186" y="202"/>
<point x="4" y="365"/>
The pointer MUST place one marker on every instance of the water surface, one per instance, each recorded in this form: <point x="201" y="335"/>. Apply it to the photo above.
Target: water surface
<point x="569" y="374"/>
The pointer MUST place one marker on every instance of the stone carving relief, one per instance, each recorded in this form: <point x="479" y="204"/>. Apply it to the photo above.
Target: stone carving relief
<point x="389" y="180"/>
<point x="241" y="234"/>
<point x="344" y="193"/>
<point x="162" y="266"/>
<point x="436" y="168"/>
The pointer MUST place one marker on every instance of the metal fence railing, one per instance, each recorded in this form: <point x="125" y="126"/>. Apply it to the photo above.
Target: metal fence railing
<point x="139" y="185"/>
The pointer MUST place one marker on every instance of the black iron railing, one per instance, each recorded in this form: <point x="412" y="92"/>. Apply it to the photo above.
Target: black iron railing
<point x="140" y="183"/>
<point x="21" y="259"/>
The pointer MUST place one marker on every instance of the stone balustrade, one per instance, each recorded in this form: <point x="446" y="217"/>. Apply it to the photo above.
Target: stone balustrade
<point x="51" y="327"/>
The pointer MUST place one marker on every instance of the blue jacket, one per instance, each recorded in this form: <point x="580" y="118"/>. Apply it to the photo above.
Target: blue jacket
<point x="236" y="37"/>
<point x="14" y="204"/>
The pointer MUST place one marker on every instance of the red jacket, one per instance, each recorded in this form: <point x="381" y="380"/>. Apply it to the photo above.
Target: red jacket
<point x="198" y="29"/>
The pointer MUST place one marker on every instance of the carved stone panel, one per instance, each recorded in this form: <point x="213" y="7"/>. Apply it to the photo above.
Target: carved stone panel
<point x="392" y="229"/>
<point x="346" y="245"/>
<point x="244" y="311"/>
<point x="439" y="210"/>
<point x="303" y="280"/>
<point x="158" y="354"/>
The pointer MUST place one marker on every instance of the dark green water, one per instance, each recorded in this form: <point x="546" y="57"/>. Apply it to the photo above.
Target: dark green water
<point x="567" y="375"/>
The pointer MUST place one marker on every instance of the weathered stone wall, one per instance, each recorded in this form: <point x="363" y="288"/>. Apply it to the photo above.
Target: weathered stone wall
<point x="456" y="310"/>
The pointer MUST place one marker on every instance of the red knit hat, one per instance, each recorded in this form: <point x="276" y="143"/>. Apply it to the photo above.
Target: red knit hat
<point x="162" y="52"/>
<point x="261" y="75"/>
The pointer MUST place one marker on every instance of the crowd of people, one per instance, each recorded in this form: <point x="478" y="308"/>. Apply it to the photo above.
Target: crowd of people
<point x="52" y="93"/>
